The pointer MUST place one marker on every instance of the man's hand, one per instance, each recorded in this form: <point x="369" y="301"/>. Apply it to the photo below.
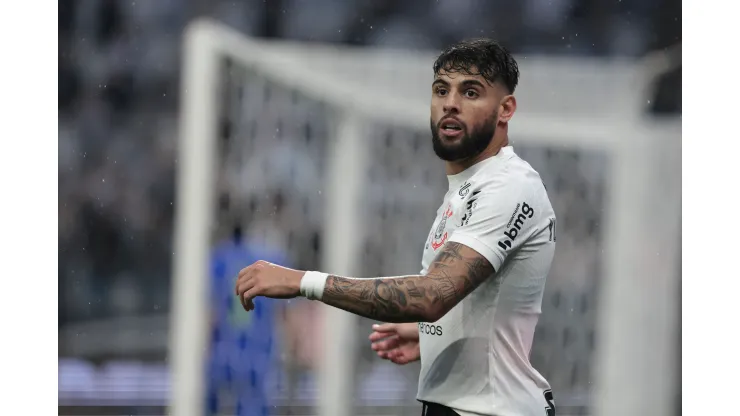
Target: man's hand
<point x="398" y="343"/>
<point x="269" y="280"/>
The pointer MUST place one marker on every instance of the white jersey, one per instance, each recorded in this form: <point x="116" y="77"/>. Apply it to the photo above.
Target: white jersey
<point x="475" y="359"/>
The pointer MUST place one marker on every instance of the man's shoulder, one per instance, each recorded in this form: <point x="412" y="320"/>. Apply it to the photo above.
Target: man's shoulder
<point x="514" y="173"/>
<point x="516" y="182"/>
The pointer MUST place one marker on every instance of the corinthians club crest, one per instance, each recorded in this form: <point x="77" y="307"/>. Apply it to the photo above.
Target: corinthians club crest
<point x="463" y="192"/>
<point x="440" y="235"/>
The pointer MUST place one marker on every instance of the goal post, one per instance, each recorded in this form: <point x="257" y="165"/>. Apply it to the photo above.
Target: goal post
<point x="343" y="224"/>
<point x="193" y="215"/>
<point x="638" y="346"/>
<point x="614" y="177"/>
<point x="206" y="44"/>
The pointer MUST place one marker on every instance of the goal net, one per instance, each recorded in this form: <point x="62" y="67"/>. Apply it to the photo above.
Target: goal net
<point x="323" y="152"/>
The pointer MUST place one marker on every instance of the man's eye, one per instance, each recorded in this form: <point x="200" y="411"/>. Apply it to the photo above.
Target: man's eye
<point x="471" y="93"/>
<point x="441" y="91"/>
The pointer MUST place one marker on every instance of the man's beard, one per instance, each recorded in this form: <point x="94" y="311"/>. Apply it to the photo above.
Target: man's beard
<point x="471" y="144"/>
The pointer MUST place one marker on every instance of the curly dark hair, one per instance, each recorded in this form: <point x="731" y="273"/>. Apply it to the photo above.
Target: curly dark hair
<point x="491" y="60"/>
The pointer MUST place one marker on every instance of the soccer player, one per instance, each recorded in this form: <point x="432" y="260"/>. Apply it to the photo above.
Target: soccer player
<point x="476" y="301"/>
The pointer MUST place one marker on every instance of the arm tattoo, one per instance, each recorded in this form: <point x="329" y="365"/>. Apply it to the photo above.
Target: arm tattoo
<point x="456" y="271"/>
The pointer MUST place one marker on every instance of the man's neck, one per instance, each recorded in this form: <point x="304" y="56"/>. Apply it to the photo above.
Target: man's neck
<point x="453" y="168"/>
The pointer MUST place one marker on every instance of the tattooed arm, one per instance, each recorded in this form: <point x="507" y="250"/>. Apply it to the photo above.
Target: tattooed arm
<point x="456" y="271"/>
<point x="474" y="251"/>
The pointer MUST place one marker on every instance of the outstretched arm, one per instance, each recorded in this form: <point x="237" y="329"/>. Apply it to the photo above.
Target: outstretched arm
<point x="456" y="271"/>
<point x="506" y="213"/>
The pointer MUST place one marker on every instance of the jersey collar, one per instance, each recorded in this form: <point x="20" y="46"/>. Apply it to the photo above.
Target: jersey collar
<point x="460" y="178"/>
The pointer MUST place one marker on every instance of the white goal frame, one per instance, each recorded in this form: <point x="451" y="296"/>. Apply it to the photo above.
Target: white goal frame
<point x="636" y="361"/>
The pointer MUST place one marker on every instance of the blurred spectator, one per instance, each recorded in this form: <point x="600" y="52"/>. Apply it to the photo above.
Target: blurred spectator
<point x="243" y="345"/>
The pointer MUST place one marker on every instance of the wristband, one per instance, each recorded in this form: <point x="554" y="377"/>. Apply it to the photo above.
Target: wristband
<point x="312" y="285"/>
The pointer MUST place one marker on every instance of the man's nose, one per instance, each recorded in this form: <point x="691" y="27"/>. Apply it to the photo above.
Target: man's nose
<point x="451" y="104"/>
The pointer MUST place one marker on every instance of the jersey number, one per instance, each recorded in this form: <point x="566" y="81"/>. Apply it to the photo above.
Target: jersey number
<point x="551" y="226"/>
<point x="550" y="399"/>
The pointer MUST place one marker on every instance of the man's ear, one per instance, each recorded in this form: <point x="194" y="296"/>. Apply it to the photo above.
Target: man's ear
<point x="507" y="108"/>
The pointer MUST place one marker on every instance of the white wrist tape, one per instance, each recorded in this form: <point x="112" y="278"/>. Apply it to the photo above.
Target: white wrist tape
<point x="312" y="285"/>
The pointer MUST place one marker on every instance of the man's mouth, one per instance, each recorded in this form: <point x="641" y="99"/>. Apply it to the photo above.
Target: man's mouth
<point x="450" y="127"/>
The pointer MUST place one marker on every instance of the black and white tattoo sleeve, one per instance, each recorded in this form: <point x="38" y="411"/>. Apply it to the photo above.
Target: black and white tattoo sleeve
<point x="456" y="271"/>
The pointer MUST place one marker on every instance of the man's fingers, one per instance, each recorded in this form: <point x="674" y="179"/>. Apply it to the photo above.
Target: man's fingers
<point x="243" y="285"/>
<point x="377" y="336"/>
<point x="387" y="344"/>
<point x="385" y="327"/>
<point x="395" y="356"/>
<point x="399" y="359"/>
<point x="248" y="298"/>
<point x="382" y="331"/>
<point x="248" y="305"/>
<point x="245" y="275"/>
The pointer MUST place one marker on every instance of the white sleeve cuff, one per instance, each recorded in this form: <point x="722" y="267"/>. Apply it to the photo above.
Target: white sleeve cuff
<point x="482" y="248"/>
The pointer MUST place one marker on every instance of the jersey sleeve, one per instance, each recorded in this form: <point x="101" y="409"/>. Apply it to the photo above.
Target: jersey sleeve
<point x="498" y="218"/>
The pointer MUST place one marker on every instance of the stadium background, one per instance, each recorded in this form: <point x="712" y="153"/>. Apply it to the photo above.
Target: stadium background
<point x="119" y="74"/>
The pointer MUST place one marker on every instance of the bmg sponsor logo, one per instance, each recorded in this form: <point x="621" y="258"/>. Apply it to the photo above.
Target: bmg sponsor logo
<point x="429" y="329"/>
<point x="515" y="224"/>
